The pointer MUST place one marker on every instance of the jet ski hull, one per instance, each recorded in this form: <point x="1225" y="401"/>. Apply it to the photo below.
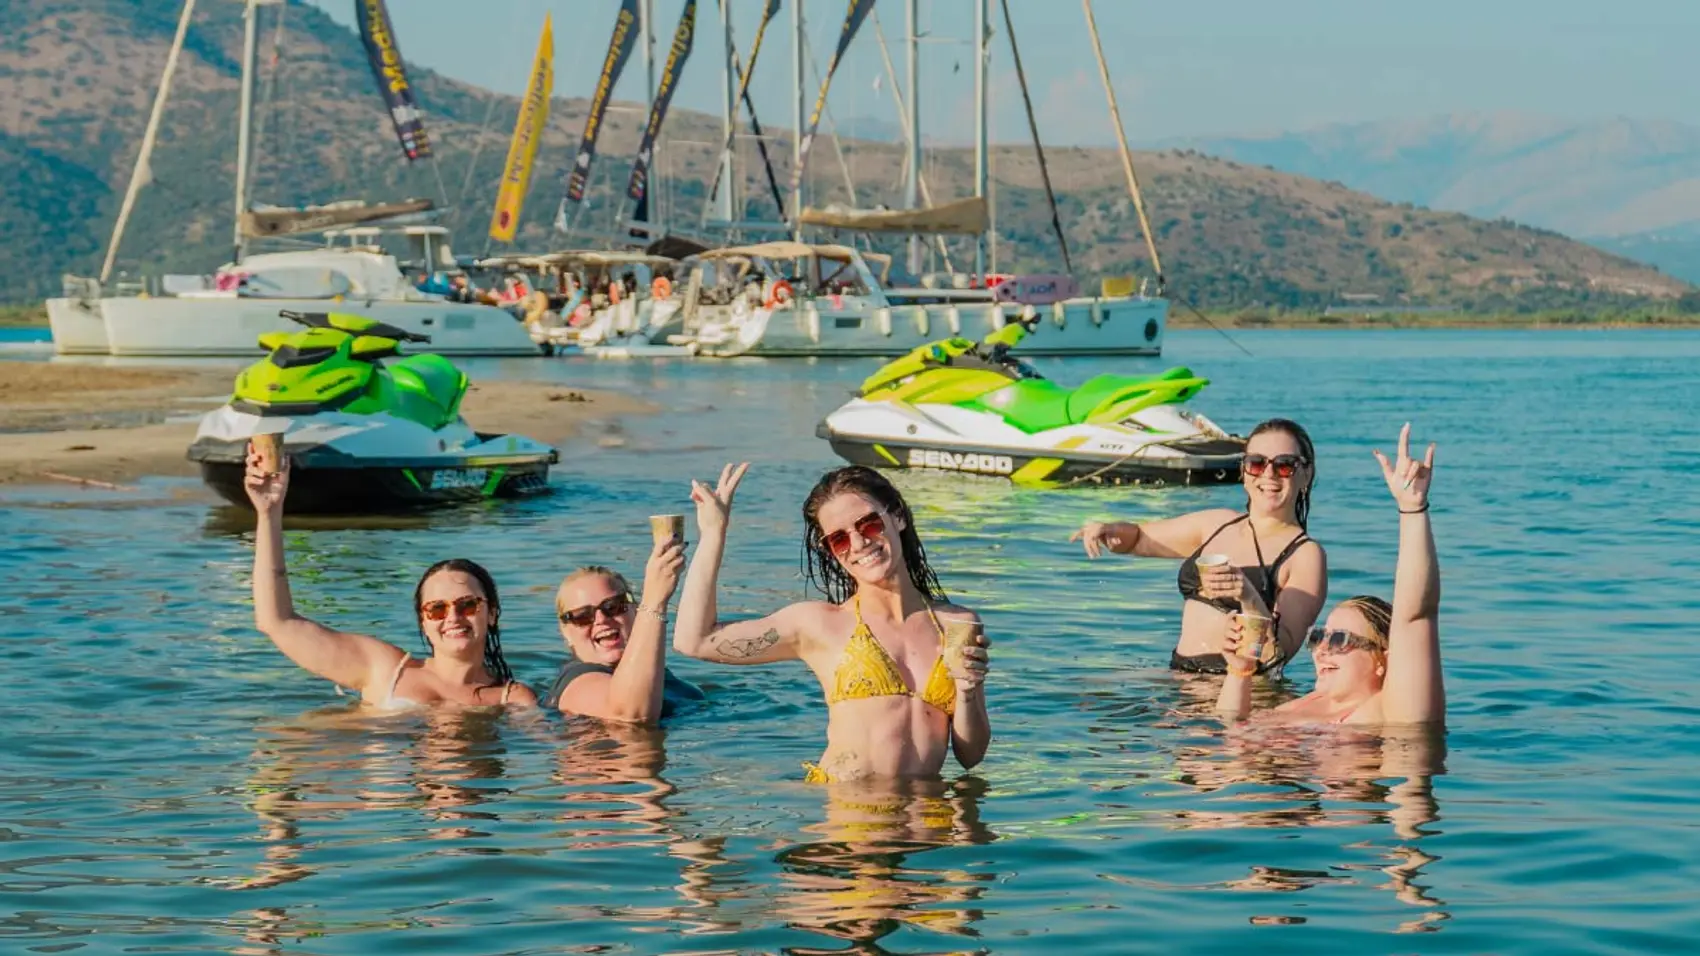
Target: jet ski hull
<point x="1187" y="451"/>
<point x="1199" y="464"/>
<point x="348" y="464"/>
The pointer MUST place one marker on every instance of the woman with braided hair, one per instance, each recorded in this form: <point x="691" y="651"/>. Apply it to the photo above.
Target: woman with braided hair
<point x="455" y="604"/>
<point x="897" y="702"/>
<point x="1270" y="559"/>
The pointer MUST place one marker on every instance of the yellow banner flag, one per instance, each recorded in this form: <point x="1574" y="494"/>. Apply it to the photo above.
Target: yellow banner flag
<point x="528" y="133"/>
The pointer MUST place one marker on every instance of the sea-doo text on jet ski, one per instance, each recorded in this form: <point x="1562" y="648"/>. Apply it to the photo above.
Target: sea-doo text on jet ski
<point x="957" y="406"/>
<point x="361" y="434"/>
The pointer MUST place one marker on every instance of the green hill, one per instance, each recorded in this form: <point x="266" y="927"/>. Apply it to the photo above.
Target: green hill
<point x="79" y="77"/>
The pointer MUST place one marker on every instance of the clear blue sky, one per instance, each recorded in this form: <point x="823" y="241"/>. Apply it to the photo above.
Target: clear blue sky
<point x="1180" y="68"/>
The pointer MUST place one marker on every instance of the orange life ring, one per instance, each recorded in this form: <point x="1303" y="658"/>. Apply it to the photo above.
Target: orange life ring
<point x="780" y="295"/>
<point x="661" y="288"/>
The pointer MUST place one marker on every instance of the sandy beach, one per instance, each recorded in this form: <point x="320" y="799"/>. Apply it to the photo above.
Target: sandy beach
<point x="105" y="425"/>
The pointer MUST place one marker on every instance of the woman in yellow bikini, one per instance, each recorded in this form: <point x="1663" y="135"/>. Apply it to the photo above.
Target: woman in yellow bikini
<point x="897" y="705"/>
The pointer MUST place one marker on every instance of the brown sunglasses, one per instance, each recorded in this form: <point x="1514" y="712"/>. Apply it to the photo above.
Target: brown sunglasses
<point x="464" y="606"/>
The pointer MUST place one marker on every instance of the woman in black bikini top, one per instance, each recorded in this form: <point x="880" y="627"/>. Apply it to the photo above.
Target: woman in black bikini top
<point x="1278" y="473"/>
<point x="1264" y="579"/>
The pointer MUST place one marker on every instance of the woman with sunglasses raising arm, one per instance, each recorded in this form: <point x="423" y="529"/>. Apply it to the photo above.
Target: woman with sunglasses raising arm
<point x="1273" y="565"/>
<point x="455" y="603"/>
<point x="897" y="702"/>
<point x="1376" y="663"/>
<point x="619" y="666"/>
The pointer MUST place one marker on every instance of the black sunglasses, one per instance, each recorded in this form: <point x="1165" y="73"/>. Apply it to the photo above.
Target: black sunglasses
<point x="1285" y="465"/>
<point x="585" y="616"/>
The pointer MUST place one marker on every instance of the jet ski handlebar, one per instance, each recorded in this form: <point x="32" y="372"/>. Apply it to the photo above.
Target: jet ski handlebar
<point x="322" y="320"/>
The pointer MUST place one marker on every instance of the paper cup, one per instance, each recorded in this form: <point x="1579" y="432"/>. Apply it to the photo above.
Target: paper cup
<point x="1212" y="561"/>
<point x="667" y="527"/>
<point x="270" y="449"/>
<point x="958" y="633"/>
<point x="1257" y="636"/>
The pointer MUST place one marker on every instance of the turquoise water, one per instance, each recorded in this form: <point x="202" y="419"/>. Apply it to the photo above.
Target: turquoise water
<point x="172" y="784"/>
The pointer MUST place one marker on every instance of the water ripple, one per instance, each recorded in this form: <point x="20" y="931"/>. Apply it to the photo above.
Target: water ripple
<point x="172" y="784"/>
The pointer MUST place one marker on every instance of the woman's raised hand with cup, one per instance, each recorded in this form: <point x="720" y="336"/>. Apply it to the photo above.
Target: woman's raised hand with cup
<point x="661" y="574"/>
<point x="1239" y="650"/>
<point x="266" y="476"/>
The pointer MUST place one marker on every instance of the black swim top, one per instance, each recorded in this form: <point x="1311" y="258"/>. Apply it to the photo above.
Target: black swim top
<point x="675" y="691"/>
<point x="1263" y="577"/>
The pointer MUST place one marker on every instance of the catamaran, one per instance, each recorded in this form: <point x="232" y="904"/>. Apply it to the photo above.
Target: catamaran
<point x="224" y="313"/>
<point x="787" y="298"/>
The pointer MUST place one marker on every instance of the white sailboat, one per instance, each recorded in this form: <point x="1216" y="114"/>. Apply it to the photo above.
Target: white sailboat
<point x="223" y="314"/>
<point x="787" y="299"/>
<point x="838" y="304"/>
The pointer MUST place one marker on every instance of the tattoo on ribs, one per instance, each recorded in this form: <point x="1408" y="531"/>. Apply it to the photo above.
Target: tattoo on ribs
<point x="745" y="647"/>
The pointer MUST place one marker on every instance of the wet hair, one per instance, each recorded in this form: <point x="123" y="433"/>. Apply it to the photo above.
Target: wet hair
<point x="614" y="577"/>
<point x="823" y="571"/>
<point x="493" y="660"/>
<point x="1307" y="451"/>
<point x="1377" y="612"/>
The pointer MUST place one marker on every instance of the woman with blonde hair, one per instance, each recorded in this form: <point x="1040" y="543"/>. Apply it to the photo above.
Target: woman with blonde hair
<point x="619" y="666"/>
<point x="1376" y="662"/>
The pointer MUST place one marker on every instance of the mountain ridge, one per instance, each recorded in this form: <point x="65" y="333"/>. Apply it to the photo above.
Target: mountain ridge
<point x="83" y="72"/>
<point x="1609" y="177"/>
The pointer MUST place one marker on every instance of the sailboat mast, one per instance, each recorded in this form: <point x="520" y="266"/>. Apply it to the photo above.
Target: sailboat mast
<point x="646" y="39"/>
<point x="1121" y="141"/>
<point x="245" y="123"/>
<point x="139" y="175"/>
<point x="797" y="118"/>
<point x="912" y="183"/>
<point x="980" y="132"/>
<point x="728" y="116"/>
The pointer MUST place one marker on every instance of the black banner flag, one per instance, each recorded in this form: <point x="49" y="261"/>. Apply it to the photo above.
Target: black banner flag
<point x="387" y="68"/>
<point x="676" y="57"/>
<point x="619" y="50"/>
<point x="853" y="18"/>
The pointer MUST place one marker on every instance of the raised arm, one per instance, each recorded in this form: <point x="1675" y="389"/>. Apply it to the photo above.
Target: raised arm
<point x="633" y="693"/>
<point x="1173" y="538"/>
<point x="352" y="660"/>
<point x="1413" y="691"/>
<point x="772" y="638"/>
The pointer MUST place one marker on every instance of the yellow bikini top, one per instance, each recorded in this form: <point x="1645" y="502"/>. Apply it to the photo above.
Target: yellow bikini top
<point x="866" y="670"/>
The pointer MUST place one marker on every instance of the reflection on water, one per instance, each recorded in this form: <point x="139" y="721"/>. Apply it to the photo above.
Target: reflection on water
<point x="866" y="874"/>
<point x="170" y="783"/>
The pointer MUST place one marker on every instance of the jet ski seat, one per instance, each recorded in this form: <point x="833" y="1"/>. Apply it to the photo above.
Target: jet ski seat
<point x="1032" y="405"/>
<point x="1117" y="396"/>
<point x="1036" y="405"/>
<point x="429" y="387"/>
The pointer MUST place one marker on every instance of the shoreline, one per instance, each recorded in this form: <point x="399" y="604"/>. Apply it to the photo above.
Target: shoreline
<point x="103" y="426"/>
<point x="1183" y="319"/>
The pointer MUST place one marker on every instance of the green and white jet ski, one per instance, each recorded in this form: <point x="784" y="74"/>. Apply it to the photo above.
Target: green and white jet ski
<point x="955" y="405"/>
<point x="362" y="434"/>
